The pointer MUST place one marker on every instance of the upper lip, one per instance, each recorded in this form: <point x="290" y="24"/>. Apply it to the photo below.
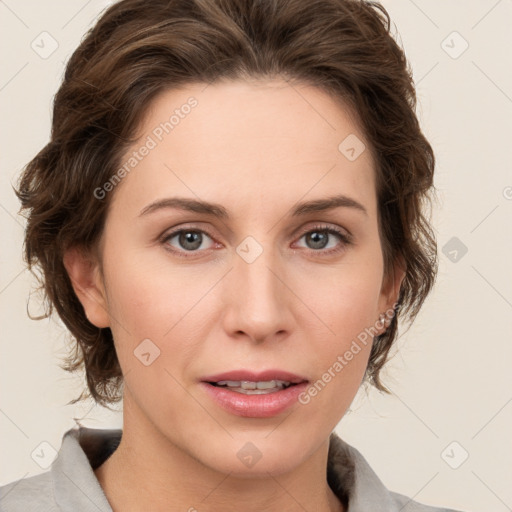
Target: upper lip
<point x="252" y="376"/>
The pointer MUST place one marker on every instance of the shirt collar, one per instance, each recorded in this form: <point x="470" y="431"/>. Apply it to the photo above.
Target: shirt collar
<point x="350" y="475"/>
<point x="83" y="449"/>
<point x="75" y="485"/>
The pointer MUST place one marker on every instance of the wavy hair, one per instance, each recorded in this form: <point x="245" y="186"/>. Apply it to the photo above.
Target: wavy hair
<point x="138" y="49"/>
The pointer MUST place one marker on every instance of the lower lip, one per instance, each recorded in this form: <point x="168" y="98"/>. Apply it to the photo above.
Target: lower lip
<point x="254" y="406"/>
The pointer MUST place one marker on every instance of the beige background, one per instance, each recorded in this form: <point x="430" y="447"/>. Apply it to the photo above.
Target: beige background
<point x="451" y="377"/>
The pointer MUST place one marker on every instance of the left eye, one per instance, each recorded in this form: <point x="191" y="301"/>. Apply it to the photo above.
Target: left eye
<point x="319" y="237"/>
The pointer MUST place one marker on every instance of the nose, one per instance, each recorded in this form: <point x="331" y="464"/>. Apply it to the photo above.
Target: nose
<point x="259" y="304"/>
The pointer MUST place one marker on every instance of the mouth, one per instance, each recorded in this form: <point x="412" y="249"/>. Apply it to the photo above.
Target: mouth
<point x="254" y="394"/>
<point x="248" y="387"/>
<point x="247" y="380"/>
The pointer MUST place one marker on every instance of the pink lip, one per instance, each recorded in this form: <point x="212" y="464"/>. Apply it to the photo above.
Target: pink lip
<point x="255" y="376"/>
<point x="254" y="406"/>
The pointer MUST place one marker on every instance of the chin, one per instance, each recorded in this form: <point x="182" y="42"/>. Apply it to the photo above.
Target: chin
<point x="252" y="457"/>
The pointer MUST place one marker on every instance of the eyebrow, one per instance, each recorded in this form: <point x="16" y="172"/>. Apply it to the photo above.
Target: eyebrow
<point x="217" y="210"/>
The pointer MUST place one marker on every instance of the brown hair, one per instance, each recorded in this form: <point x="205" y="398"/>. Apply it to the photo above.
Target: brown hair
<point x="138" y="49"/>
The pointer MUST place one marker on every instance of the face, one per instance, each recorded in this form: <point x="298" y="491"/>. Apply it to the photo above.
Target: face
<point x="257" y="284"/>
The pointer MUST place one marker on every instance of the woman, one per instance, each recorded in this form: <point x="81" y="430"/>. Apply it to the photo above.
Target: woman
<point x="229" y="220"/>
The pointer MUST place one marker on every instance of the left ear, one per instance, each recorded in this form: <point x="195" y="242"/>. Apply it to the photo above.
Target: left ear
<point x="390" y="290"/>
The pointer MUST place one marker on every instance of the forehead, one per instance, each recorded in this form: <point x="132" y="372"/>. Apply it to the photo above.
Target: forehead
<point x="263" y="138"/>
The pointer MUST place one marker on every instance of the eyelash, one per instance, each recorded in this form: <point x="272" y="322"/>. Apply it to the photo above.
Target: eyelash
<point x="344" y="237"/>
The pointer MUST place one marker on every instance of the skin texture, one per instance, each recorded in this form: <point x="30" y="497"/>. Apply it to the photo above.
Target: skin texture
<point x="257" y="148"/>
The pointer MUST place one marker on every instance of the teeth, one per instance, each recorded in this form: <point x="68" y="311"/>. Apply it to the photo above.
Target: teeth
<point x="254" y="388"/>
<point x="229" y="383"/>
<point x="269" y="384"/>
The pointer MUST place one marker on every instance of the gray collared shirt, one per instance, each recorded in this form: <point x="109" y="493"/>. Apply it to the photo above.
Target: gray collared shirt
<point x="71" y="485"/>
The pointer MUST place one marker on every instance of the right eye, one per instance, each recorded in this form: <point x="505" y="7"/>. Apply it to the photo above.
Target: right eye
<point x="186" y="240"/>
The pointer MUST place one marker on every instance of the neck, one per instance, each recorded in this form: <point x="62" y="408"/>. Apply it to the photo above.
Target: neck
<point x="129" y="491"/>
<point x="149" y="472"/>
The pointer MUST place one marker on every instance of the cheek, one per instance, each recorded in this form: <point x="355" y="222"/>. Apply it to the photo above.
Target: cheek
<point x="345" y="299"/>
<point x="150" y="297"/>
<point x="345" y="305"/>
<point x="340" y="356"/>
<point x="350" y="315"/>
<point x="164" y="303"/>
<point x="151" y="315"/>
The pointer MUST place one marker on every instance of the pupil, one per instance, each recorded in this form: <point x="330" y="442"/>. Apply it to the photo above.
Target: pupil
<point x="319" y="239"/>
<point x="190" y="237"/>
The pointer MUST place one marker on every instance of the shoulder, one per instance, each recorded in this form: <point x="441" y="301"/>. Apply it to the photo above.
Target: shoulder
<point x="354" y="481"/>
<point x="70" y="484"/>
<point x="32" y="494"/>
<point x="406" y="504"/>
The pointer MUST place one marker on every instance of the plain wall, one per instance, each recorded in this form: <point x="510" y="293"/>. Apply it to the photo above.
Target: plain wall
<point x="450" y="377"/>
